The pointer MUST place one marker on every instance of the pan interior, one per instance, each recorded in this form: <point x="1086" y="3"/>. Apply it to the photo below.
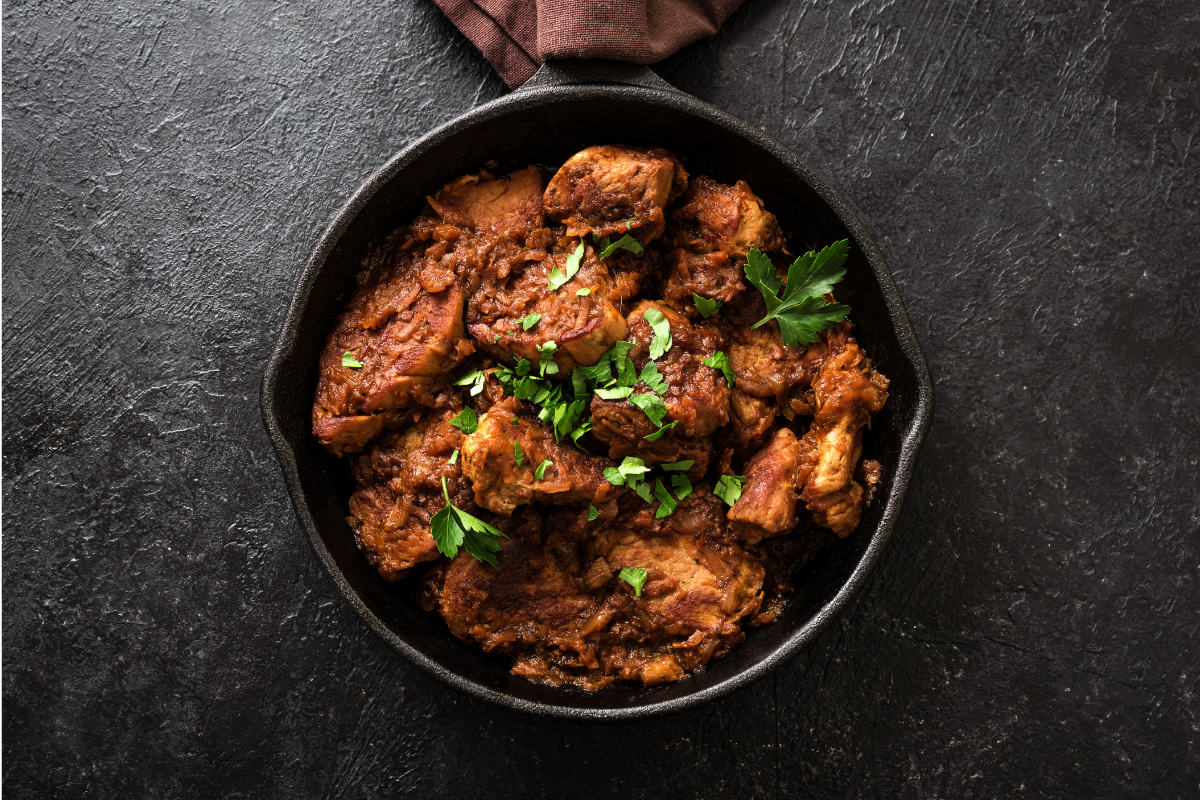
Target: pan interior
<point x="546" y="130"/>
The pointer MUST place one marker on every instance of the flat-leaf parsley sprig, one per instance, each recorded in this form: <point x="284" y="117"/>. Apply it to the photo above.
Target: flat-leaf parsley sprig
<point x="454" y="528"/>
<point x="801" y="310"/>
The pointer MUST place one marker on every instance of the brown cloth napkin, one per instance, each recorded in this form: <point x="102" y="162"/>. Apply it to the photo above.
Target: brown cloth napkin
<point x="516" y="36"/>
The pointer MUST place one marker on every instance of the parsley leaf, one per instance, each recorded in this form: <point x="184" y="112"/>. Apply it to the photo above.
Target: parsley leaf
<point x="453" y="528"/>
<point x="592" y="513"/>
<point x="546" y="365"/>
<point x="631" y="467"/>
<point x="466" y="421"/>
<point x="475" y="379"/>
<point x="520" y="455"/>
<point x="654" y="379"/>
<point x="559" y="279"/>
<point x="662" y="341"/>
<point x="681" y="485"/>
<point x="626" y="242"/>
<point x="529" y="321"/>
<point x="540" y="472"/>
<point x="643" y="491"/>
<point x="729" y="488"/>
<point x="584" y="292"/>
<point x="719" y="360"/>
<point x="801" y="310"/>
<point x="348" y="360"/>
<point x="707" y="306"/>
<point x="652" y="406"/>
<point x="654" y="437"/>
<point x="666" y="503"/>
<point x="454" y="458"/>
<point x="635" y="577"/>
<point x="678" y="466"/>
<point x="615" y="393"/>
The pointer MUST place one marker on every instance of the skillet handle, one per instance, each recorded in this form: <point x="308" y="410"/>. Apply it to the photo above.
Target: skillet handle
<point x="571" y="71"/>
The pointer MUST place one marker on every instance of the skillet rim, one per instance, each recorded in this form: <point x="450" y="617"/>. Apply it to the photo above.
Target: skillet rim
<point x="644" y="86"/>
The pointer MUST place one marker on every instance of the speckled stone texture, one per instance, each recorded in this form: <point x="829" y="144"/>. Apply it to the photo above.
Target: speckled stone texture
<point x="1029" y="172"/>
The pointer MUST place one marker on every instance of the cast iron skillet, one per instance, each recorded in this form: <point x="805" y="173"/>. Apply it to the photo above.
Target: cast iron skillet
<point x="565" y="107"/>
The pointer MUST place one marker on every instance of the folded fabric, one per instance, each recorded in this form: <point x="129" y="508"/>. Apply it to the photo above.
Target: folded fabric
<point x="516" y="37"/>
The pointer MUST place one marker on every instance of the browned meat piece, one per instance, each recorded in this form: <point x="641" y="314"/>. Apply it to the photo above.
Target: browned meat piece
<point x="751" y="421"/>
<point x="400" y="489"/>
<point x="611" y="191"/>
<point x="848" y="393"/>
<point x="556" y="609"/>
<point x="405" y="325"/>
<point x="501" y="484"/>
<point x="714" y="227"/>
<point x="764" y="366"/>
<point x="507" y="281"/>
<point x="714" y="216"/>
<point x="767" y="506"/>
<point x="697" y="397"/>
<point x="484" y="201"/>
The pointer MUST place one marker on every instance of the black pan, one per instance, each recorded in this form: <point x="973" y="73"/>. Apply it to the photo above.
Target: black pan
<point x="565" y="107"/>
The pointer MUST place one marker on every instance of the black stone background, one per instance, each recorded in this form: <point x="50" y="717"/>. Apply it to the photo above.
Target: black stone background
<point x="1030" y="171"/>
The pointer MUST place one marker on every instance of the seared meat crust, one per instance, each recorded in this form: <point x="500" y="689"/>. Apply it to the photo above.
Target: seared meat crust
<point x="612" y="191"/>
<point x="405" y="325"/>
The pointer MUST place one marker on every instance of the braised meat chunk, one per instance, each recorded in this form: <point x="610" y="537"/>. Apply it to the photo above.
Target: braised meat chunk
<point x="613" y="191"/>
<point x="713" y="228"/>
<point x="512" y="309"/>
<point x="404" y="326"/>
<point x="504" y="456"/>
<point x="696" y="398"/>
<point x="848" y="393"/>
<point x="767" y="506"/>
<point x="485" y="202"/>
<point x="400" y="489"/>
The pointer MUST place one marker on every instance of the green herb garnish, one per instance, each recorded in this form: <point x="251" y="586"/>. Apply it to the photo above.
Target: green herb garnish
<point x="678" y="466"/>
<point x="653" y="379"/>
<point x="662" y="341"/>
<point x="654" y="437"/>
<point x="466" y="421"/>
<point x="666" y="503"/>
<point x="592" y="513"/>
<point x="652" y="406"/>
<point x="707" y="307"/>
<point x="635" y="577"/>
<point x="719" y="360"/>
<point x="630" y="471"/>
<point x="540" y="472"/>
<point x="453" y="528"/>
<point x="348" y="360"/>
<point x="546" y="365"/>
<point x="529" y="321"/>
<point x="475" y="379"/>
<point x="681" y="485"/>
<point x="559" y="279"/>
<point x="519" y="454"/>
<point x="729" y="488"/>
<point x="626" y="242"/>
<point x="584" y="292"/>
<point x="454" y="458"/>
<point x="801" y="311"/>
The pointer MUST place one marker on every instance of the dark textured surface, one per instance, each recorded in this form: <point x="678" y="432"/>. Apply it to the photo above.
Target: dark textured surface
<point x="1032" y="628"/>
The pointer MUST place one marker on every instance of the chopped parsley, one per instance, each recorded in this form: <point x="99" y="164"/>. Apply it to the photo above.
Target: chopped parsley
<point x="453" y="528"/>
<point x="592" y="513"/>
<point x="546" y="365"/>
<point x="635" y="577"/>
<point x="666" y="503"/>
<point x="707" y="306"/>
<point x="662" y="341"/>
<point x="626" y="242"/>
<point x="653" y="379"/>
<point x="519" y="454"/>
<point x="348" y="360"/>
<point x="652" y="406"/>
<point x="678" y="466"/>
<point x="454" y="458"/>
<point x="615" y="393"/>
<point x="529" y="321"/>
<point x="558" y="279"/>
<point x="729" y="488"/>
<point x="629" y="472"/>
<point x="681" y="486"/>
<point x="654" y="437"/>
<point x="584" y="292"/>
<point x="466" y="421"/>
<point x="719" y="360"/>
<point x="475" y="379"/>
<point x="540" y="472"/>
<point x="801" y="311"/>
